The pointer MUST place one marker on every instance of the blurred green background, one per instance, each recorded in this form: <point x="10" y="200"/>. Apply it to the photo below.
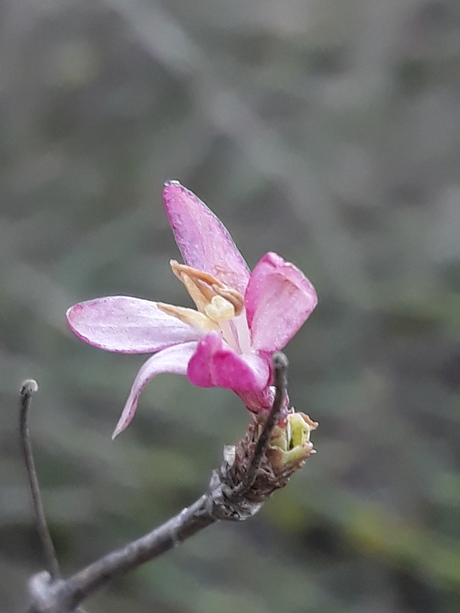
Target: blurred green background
<point x="328" y="131"/>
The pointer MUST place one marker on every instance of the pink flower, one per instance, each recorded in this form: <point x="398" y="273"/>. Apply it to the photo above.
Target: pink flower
<point x="242" y="318"/>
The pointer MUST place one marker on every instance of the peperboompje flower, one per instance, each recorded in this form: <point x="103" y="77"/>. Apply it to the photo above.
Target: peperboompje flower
<point x="242" y="318"/>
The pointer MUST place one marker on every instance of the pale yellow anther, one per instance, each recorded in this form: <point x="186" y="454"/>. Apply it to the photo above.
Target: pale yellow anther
<point x="219" y="309"/>
<point x="231" y="295"/>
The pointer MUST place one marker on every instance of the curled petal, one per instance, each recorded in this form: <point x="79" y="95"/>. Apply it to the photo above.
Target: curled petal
<point x="127" y="325"/>
<point x="170" y="360"/>
<point x="262" y="401"/>
<point x="204" y="242"/>
<point x="216" y="365"/>
<point x="278" y="299"/>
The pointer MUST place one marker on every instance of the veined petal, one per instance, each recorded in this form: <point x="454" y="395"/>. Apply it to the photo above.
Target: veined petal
<point x="216" y="365"/>
<point x="278" y="299"/>
<point x="170" y="360"/>
<point x="204" y="242"/>
<point x="128" y="325"/>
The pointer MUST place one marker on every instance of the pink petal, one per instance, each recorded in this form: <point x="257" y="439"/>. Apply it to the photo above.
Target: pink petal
<point x="216" y="365"/>
<point x="127" y="325"/>
<point x="262" y="401"/>
<point x="202" y="239"/>
<point x="279" y="298"/>
<point x="171" y="360"/>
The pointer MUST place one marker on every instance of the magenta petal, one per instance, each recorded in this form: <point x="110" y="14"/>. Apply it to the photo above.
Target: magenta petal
<point x="262" y="401"/>
<point x="279" y="298"/>
<point x="170" y="360"/>
<point x="216" y="365"/>
<point x="127" y="325"/>
<point x="204" y="242"/>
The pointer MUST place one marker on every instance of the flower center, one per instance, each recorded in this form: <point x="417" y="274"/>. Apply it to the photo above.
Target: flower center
<point x="218" y="307"/>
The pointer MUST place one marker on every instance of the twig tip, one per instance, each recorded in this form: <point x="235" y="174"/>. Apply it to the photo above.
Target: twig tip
<point x="29" y="387"/>
<point x="280" y="361"/>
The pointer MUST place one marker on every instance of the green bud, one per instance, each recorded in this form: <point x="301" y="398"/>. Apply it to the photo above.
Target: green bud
<point x="290" y="443"/>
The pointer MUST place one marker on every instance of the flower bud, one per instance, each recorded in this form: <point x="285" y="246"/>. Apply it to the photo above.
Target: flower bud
<point x="290" y="443"/>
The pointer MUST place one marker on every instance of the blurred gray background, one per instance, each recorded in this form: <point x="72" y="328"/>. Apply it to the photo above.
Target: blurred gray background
<point x="328" y="131"/>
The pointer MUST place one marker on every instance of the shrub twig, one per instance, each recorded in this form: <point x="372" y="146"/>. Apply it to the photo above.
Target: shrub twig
<point x="28" y="388"/>
<point x="224" y="499"/>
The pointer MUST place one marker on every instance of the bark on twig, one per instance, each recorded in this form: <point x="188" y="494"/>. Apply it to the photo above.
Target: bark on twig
<point x="28" y="388"/>
<point x="236" y="492"/>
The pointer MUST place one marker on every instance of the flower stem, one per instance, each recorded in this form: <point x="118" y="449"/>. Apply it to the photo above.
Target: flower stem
<point x="280" y="366"/>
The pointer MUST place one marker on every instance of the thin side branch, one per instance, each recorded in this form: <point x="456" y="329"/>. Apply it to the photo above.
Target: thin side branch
<point x="28" y="388"/>
<point x="280" y="366"/>
<point x="65" y="595"/>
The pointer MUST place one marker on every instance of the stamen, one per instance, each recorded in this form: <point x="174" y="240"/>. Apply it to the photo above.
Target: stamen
<point x="197" y="283"/>
<point x="188" y="316"/>
<point x="193" y="273"/>
<point x="203" y="288"/>
<point x="242" y="332"/>
<point x="225" y="326"/>
<point x="231" y="295"/>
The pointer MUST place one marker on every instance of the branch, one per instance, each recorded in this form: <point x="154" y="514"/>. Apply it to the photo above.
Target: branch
<point x="280" y="366"/>
<point x="28" y="388"/>
<point x="226" y="499"/>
